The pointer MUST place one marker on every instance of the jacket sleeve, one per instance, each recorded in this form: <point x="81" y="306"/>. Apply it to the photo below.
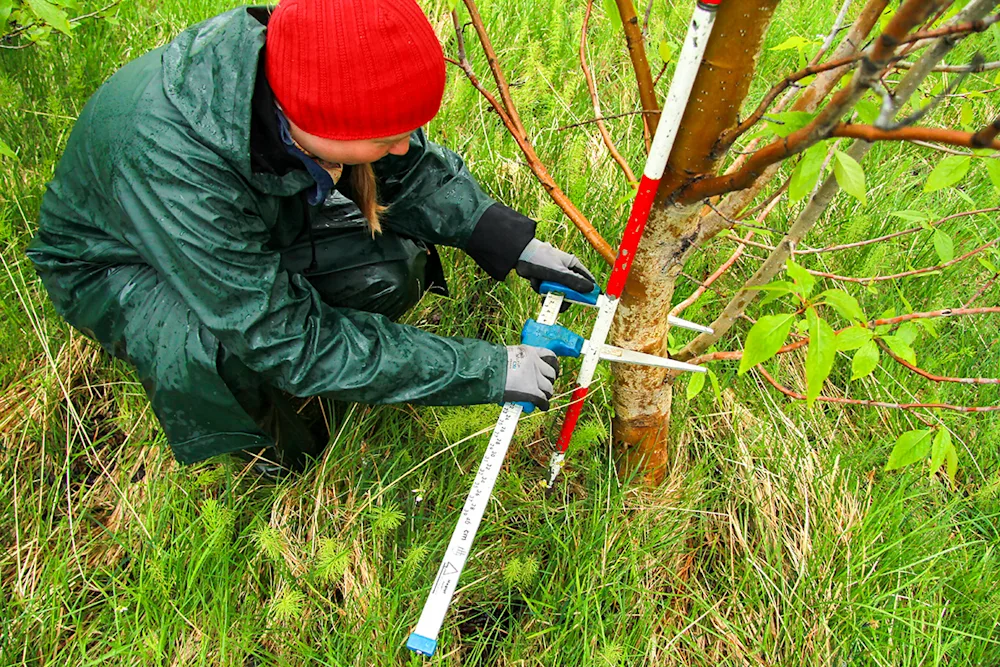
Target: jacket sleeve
<point x="196" y="222"/>
<point x="432" y="196"/>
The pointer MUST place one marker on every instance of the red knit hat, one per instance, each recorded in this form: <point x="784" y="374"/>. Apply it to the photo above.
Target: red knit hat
<point x="354" y="69"/>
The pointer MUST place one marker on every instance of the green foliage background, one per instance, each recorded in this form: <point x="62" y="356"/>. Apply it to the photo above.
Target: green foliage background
<point x="779" y="539"/>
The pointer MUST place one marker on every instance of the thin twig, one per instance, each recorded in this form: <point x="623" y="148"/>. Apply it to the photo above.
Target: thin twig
<point x="874" y="404"/>
<point x="597" y="120"/>
<point x="982" y="290"/>
<point x="734" y="355"/>
<point x="983" y="67"/>
<point x="913" y="230"/>
<point x="592" y="87"/>
<point x="905" y="274"/>
<point x="931" y="376"/>
<point x="508" y="115"/>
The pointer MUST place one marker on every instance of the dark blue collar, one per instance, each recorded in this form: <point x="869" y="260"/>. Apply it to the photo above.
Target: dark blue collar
<point x="324" y="182"/>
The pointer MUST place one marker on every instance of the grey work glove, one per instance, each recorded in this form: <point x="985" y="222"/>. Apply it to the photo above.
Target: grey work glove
<point x="530" y="374"/>
<point x="540" y="261"/>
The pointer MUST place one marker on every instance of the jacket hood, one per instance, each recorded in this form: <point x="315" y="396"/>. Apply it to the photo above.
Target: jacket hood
<point x="208" y="75"/>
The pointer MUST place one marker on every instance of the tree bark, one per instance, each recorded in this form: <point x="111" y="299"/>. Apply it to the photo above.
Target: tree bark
<point x="642" y="396"/>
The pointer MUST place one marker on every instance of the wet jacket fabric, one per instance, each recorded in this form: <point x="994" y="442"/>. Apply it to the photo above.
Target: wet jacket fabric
<point x="158" y="239"/>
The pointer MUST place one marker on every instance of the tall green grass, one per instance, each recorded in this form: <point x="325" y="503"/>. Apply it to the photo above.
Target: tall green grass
<point x="778" y="538"/>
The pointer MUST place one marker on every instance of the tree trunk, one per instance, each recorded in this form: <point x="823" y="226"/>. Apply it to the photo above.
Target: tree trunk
<point x="642" y="398"/>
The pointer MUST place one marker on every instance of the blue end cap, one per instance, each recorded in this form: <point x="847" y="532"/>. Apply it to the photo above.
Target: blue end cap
<point x="570" y="295"/>
<point x="526" y="408"/>
<point x="422" y="645"/>
<point x="559" y="339"/>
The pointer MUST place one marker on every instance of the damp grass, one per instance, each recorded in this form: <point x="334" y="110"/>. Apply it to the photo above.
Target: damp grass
<point x="776" y="538"/>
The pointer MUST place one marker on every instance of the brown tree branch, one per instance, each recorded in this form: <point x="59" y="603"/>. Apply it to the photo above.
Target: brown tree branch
<point x="643" y="75"/>
<point x="909" y="15"/>
<point x="957" y="69"/>
<point x="982" y="290"/>
<point x="596" y="102"/>
<point x="931" y="376"/>
<point x="905" y="274"/>
<point x="874" y="404"/>
<point x="985" y="138"/>
<point x="912" y="230"/>
<point x="512" y="123"/>
<point x="597" y="120"/>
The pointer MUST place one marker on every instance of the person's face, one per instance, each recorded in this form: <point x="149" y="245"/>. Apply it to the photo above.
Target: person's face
<point x="359" y="151"/>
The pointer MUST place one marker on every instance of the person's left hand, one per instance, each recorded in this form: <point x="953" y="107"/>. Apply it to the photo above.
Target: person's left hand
<point x="540" y="261"/>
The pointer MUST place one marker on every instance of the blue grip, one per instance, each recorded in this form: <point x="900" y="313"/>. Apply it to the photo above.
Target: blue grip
<point x="559" y="339"/>
<point x="570" y="295"/>
<point x="526" y="407"/>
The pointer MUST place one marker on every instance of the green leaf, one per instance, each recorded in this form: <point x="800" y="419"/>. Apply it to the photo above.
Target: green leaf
<point x="951" y="456"/>
<point x="807" y="172"/>
<point x="939" y="449"/>
<point x="695" y="385"/>
<point x="966" y="116"/>
<point x="793" y="42"/>
<point x="850" y="175"/>
<point x="777" y="289"/>
<point x="51" y="15"/>
<point x="611" y="9"/>
<point x="901" y="348"/>
<point x="666" y="51"/>
<point x="911" y="216"/>
<point x="628" y="196"/>
<point x="787" y="122"/>
<point x="5" y="150"/>
<point x="868" y="111"/>
<point x="987" y="264"/>
<point x="944" y="246"/>
<point x="852" y="338"/>
<point x="5" y="8"/>
<point x="865" y="360"/>
<point x="802" y="278"/>
<point x="993" y="169"/>
<point x="948" y="171"/>
<point x="764" y="339"/>
<point x="844" y="303"/>
<point x="911" y="447"/>
<point x="715" y="385"/>
<point x="907" y="332"/>
<point x="452" y="4"/>
<point x="822" y="352"/>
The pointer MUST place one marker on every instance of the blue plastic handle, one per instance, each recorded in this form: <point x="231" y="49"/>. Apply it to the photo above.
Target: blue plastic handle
<point x="589" y="298"/>
<point x="559" y="339"/>
<point x="528" y="408"/>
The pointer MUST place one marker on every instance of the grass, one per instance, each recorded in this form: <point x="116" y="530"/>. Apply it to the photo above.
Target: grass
<point x="778" y="538"/>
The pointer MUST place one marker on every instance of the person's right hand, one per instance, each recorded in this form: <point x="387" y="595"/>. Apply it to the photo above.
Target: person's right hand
<point x="530" y="374"/>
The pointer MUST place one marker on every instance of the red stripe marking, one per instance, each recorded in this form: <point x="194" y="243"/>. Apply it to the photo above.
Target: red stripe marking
<point x="641" y="206"/>
<point x="572" y="415"/>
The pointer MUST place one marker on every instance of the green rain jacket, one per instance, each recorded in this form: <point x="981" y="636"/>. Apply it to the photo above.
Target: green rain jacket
<point x="157" y="240"/>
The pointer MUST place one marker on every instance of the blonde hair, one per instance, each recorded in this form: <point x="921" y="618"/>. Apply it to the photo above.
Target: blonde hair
<point x="364" y="190"/>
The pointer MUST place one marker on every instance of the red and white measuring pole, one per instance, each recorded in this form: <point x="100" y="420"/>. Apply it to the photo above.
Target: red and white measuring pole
<point x="663" y="141"/>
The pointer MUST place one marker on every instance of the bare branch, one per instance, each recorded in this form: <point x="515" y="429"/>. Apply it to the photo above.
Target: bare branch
<point x="735" y="355"/>
<point x="931" y="376"/>
<point x="957" y="69"/>
<point x="596" y="102"/>
<point x="940" y="135"/>
<point x="905" y="274"/>
<point x="874" y="404"/>
<point x="912" y="230"/>
<point x="508" y="115"/>
<point x="597" y="120"/>
<point x="637" y="53"/>
<point x="982" y="290"/>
